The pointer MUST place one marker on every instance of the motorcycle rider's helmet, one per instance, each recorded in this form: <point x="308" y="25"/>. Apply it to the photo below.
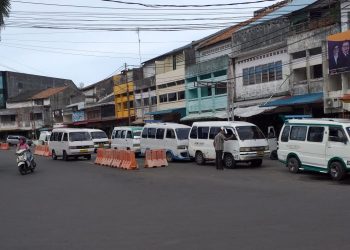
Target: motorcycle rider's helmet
<point x="22" y="139"/>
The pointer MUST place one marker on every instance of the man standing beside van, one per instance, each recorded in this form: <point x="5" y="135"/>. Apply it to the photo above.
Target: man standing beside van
<point x="219" y="140"/>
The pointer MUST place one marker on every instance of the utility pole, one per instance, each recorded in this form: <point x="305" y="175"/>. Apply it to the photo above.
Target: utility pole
<point x="230" y="90"/>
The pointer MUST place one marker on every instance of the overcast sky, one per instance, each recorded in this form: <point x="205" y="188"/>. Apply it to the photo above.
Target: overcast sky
<point x="85" y="42"/>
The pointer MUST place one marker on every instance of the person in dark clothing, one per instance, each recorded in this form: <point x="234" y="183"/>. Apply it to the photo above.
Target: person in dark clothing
<point x="219" y="140"/>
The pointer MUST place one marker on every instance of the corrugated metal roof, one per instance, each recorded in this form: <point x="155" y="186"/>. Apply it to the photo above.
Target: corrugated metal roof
<point x="291" y="7"/>
<point x="48" y="92"/>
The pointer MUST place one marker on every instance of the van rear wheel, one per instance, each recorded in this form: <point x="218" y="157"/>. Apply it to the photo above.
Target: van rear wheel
<point x="293" y="165"/>
<point x="337" y="171"/>
<point x="199" y="157"/>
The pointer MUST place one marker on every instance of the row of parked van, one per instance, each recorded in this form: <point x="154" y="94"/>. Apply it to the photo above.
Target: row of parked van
<point x="181" y="142"/>
<point x="320" y="145"/>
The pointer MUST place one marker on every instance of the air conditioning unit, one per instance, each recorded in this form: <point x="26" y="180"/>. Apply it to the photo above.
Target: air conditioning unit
<point x="333" y="103"/>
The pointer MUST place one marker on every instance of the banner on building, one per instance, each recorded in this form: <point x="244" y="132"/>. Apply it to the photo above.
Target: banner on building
<point x="78" y="116"/>
<point x="339" y="52"/>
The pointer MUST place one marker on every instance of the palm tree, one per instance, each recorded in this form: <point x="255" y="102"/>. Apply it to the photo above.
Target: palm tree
<point x="4" y="10"/>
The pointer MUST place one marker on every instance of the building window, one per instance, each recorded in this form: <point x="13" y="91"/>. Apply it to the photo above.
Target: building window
<point x="163" y="98"/>
<point x="316" y="71"/>
<point x="192" y="94"/>
<point x="220" y="73"/>
<point x="171" y="84"/>
<point x="174" y="62"/>
<point x="192" y="79"/>
<point x="258" y="73"/>
<point x="181" y="82"/>
<point x="265" y="73"/>
<point x="272" y="76"/>
<point x="205" y="76"/>
<point x="172" y="97"/>
<point x="315" y="51"/>
<point x="153" y="100"/>
<point x="299" y="54"/>
<point x="145" y="101"/>
<point x="251" y="75"/>
<point x="246" y="76"/>
<point x="220" y="89"/>
<point x="131" y="104"/>
<point x="278" y="67"/>
<point x="181" y="95"/>
<point x="39" y="102"/>
<point x="38" y="116"/>
<point x="206" y="91"/>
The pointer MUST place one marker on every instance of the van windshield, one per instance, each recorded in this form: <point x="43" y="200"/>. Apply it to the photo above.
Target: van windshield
<point x="137" y="134"/>
<point x="182" y="133"/>
<point x="98" y="135"/>
<point x="249" y="133"/>
<point x="79" y="136"/>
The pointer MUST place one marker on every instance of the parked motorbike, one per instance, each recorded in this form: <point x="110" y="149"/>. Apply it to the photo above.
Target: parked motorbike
<point x="25" y="161"/>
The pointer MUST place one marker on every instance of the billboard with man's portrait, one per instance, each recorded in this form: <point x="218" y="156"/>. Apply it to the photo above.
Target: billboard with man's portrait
<point x="339" y="53"/>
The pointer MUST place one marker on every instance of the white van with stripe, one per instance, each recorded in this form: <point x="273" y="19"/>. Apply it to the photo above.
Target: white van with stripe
<point x="321" y="145"/>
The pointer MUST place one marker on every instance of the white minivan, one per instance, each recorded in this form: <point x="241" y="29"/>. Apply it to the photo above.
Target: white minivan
<point x="70" y="142"/>
<point x="321" y="145"/>
<point x="247" y="145"/>
<point x="126" y="138"/>
<point x="99" y="137"/>
<point x="172" y="137"/>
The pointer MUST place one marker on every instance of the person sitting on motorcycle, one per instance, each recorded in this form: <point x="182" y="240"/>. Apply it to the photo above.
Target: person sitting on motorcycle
<point x="22" y="144"/>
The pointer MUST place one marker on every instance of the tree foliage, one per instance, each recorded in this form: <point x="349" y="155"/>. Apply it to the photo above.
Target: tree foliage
<point x="4" y="10"/>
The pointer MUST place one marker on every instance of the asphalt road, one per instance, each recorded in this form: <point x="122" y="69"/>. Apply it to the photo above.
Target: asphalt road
<point x="77" y="205"/>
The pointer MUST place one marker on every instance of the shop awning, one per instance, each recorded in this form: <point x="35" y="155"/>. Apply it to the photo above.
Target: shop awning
<point x="251" y="111"/>
<point x="296" y="100"/>
<point x="181" y="111"/>
<point x="346" y="98"/>
<point x="205" y="116"/>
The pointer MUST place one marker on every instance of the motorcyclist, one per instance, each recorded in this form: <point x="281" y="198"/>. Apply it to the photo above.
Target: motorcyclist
<point x="23" y="145"/>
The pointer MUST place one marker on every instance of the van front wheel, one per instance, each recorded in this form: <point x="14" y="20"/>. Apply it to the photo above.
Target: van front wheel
<point x="337" y="171"/>
<point x="293" y="165"/>
<point x="199" y="158"/>
<point x="169" y="156"/>
<point x="229" y="161"/>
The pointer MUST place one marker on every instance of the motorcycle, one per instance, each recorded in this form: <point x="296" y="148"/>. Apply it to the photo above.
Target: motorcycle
<point x="25" y="161"/>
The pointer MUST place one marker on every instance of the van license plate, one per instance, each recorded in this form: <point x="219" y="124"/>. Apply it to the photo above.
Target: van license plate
<point x="83" y="150"/>
<point x="260" y="153"/>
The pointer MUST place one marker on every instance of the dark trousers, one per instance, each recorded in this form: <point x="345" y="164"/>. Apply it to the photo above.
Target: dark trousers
<point x="218" y="159"/>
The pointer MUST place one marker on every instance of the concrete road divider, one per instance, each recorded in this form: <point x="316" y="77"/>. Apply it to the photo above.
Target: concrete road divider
<point x="99" y="156"/>
<point x="155" y="158"/>
<point x="4" y="146"/>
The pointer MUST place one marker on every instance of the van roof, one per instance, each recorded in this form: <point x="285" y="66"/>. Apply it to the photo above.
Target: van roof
<point x="93" y="130"/>
<point x="129" y="127"/>
<point x="68" y="130"/>
<point x="166" y="125"/>
<point x="223" y="123"/>
<point x="320" y="121"/>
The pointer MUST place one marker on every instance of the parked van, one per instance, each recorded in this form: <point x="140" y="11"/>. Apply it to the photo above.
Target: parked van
<point x="321" y="145"/>
<point x="99" y="138"/>
<point x="248" y="143"/>
<point x="126" y="138"/>
<point x="70" y="142"/>
<point x="44" y="138"/>
<point x="172" y="137"/>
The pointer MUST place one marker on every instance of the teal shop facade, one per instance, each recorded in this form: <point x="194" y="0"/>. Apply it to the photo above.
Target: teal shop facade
<point x="206" y="89"/>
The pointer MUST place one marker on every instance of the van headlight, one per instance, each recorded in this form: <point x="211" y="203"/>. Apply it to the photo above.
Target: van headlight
<point x="181" y="147"/>
<point x="245" y="149"/>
